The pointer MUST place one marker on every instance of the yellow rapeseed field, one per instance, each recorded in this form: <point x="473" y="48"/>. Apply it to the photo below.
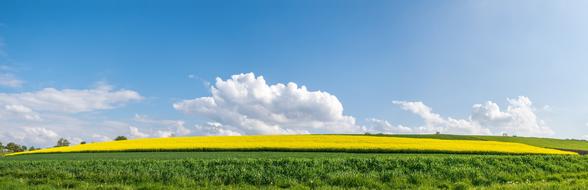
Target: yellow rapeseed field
<point x="337" y="143"/>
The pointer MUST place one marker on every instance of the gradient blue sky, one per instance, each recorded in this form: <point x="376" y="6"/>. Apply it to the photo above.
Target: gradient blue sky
<point x="448" y="54"/>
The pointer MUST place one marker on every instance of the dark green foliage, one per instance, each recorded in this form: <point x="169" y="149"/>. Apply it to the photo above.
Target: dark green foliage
<point x="330" y="170"/>
<point x="120" y="138"/>
<point x="62" y="142"/>
<point x="13" y="147"/>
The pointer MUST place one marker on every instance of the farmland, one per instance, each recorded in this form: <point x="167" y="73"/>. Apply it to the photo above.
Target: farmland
<point x="298" y="162"/>
<point x="251" y="170"/>
<point x="313" y="143"/>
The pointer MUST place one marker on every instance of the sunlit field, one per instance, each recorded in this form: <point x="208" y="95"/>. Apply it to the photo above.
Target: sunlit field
<point x="295" y="161"/>
<point x="296" y="170"/>
<point x="318" y="143"/>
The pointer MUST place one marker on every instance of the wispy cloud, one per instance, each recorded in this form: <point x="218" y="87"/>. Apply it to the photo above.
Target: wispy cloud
<point x="9" y="80"/>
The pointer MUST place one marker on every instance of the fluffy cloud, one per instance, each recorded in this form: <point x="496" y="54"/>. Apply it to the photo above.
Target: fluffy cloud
<point x="249" y="105"/>
<point x="135" y="133"/>
<point x="518" y="118"/>
<point x="434" y="122"/>
<point x="487" y="118"/>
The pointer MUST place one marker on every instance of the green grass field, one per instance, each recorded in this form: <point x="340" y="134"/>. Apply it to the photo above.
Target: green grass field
<point x="252" y="170"/>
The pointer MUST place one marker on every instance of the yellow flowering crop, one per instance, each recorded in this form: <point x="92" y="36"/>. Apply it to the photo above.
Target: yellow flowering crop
<point x="334" y="143"/>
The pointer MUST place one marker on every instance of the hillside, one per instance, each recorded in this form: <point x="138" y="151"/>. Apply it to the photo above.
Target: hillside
<point x="307" y="143"/>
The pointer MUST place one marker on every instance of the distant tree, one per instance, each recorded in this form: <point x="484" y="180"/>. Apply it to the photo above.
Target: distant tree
<point x="23" y="148"/>
<point x="83" y="142"/>
<point x="32" y="148"/>
<point x="120" y="138"/>
<point x="1" y="147"/>
<point x="12" y="147"/>
<point x="62" y="142"/>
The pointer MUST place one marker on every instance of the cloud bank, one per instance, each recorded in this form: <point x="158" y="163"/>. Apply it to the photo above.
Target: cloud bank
<point x="41" y="117"/>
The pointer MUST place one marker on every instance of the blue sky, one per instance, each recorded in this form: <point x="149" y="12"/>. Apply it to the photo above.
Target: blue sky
<point x="449" y="55"/>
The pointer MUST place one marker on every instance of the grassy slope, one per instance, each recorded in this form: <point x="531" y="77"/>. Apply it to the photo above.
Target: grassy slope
<point x="534" y="141"/>
<point x="328" y="170"/>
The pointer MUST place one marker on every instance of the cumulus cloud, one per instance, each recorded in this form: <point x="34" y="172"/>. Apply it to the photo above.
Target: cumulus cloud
<point x="135" y="133"/>
<point x="518" y="118"/>
<point x="434" y="121"/>
<point x="249" y="105"/>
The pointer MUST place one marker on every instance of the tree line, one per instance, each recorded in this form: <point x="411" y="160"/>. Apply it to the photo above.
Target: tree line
<point x="13" y="147"/>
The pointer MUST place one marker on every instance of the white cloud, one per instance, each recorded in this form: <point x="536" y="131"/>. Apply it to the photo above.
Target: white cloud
<point x="174" y="127"/>
<point x="178" y="124"/>
<point x="215" y="129"/>
<point x="19" y="111"/>
<point x="9" y="80"/>
<point x="25" y="117"/>
<point x="165" y="134"/>
<point x="374" y="125"/>
<point x="249" y="105"/>
<point x="135" y="133"/>
<point x="435" y="123"/>
<point x="100" y="138"/>
<point x="32" y="135"/>
<point x="71" y="100"/>
<point x="519" y="118"/>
